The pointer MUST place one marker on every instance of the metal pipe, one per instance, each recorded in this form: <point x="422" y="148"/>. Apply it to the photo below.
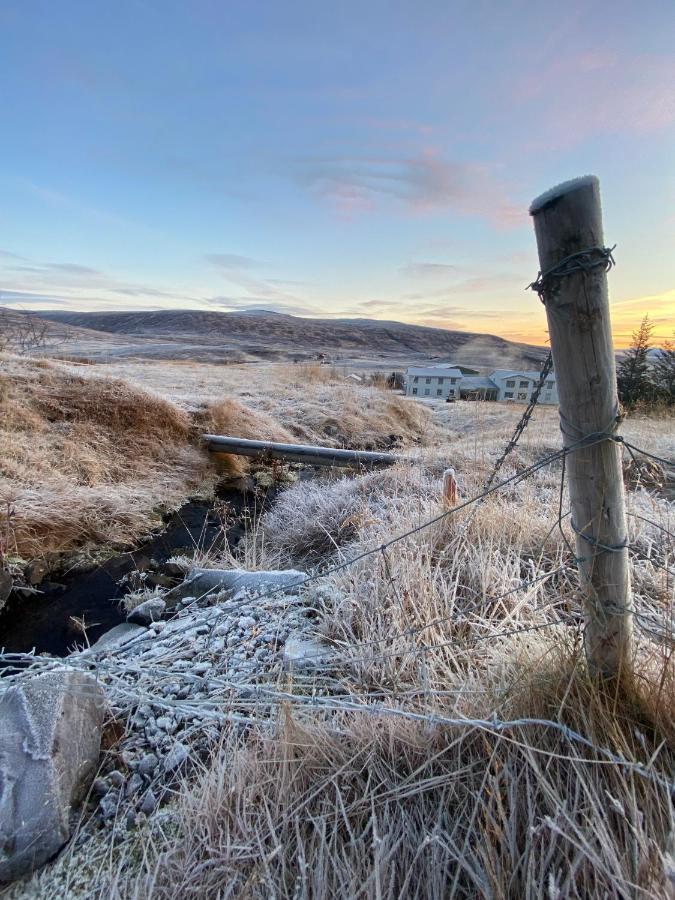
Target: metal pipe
<point x="304" y="453"/>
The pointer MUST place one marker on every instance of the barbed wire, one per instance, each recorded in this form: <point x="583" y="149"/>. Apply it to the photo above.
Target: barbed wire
<point x="105" y="663"/>
<point x="582" y="261"/>
<point x="524" y="419"/>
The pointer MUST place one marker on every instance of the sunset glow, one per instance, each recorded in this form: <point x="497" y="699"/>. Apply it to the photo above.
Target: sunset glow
<point x="346" y="160"/>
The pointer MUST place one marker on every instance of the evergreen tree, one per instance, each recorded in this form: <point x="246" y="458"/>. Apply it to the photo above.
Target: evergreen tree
<point x="664" y="371"/>
<point x="633" y="377"/>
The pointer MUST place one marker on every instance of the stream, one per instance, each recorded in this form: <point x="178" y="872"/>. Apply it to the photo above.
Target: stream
<point x="45" y="621"/>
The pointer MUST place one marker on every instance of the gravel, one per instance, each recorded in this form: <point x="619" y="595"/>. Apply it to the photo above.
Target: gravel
<point x="172" y="687"/>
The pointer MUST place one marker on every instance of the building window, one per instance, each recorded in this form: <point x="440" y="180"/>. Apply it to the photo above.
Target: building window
<point x="547" y="396"/>
<point x="439" y="392"/>
<point x="426" y="392"/>
<point x="453" y="381"/>
<point x="549" y="385"/>
<point x="523" y="384"/>
<point x="511" y="383"/>
<point x="428" y="380"/>
<point x="414" y="390"/>
<point x="441" y="380"/>
<point x="415" y="379"/>
<point x="508" y="395"/>
<point x="522" y="395"/>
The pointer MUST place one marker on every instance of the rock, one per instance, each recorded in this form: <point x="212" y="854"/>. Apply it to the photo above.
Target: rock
<point x="301" y="652"/>
<point x="109" y="805"/>
<point x="35" y="571"/>
<point x="99" y="786"/>
<point x="201" y="582"/>
<point x="134" y="785"/>
<point x="6" y="584"/>
<point x="149" y="803"/>
<point x="148" y="764"/>
<point x="176" y="757"/>
<point x="116" y="779"/>
<point x="49" y="746"/>
<point x="166" y="723"/>
<point x="147" y="612"/>
<point x="116" y="637"/>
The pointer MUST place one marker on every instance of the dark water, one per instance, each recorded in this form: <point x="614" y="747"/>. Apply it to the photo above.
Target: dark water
<point x="43" y="621"/>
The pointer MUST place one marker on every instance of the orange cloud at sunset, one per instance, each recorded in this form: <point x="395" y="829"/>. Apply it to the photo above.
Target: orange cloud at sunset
<point x="530" y="327"/>
<point x="627" y="315"/>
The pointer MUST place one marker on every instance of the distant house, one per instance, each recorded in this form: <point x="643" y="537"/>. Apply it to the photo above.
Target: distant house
<point x="478" y="387"/>
<point x="439" y="382"/>
<point x="518" y="386"/>
<point x="452" y="382"/>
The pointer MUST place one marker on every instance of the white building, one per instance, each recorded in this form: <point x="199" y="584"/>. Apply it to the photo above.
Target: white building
<point x="439" y="382"/>
<point x="452" y="382"/>
<point x="518" y="386"/>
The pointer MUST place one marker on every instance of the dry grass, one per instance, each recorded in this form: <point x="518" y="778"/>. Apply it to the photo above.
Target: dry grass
<point x="87" y="459"/>
<point x="363" y="808"/>
<point x="335" y="798"/>
<point x="573" y="802"/>
<point x="313" y="404"/>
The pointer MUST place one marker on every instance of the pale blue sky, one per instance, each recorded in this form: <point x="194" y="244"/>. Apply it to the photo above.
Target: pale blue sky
<point x="362" y="159"/>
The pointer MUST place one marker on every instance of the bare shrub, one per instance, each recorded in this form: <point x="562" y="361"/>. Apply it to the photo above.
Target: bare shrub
<point x="22" y="332"/>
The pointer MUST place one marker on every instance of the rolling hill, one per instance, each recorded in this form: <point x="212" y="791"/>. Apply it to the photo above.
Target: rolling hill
<point x="256" y="335"/>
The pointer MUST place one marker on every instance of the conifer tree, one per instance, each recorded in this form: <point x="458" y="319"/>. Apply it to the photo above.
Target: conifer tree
<point x="664" y="371"/>
<point x="633" y="378"/>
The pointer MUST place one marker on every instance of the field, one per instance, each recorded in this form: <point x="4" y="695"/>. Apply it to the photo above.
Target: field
<point x="455" y="745"/>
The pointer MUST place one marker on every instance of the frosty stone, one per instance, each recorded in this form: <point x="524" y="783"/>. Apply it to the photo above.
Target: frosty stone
<point x="201" y="582"/>
<point x="148" y="612"/>
<point x="49" y="746"/>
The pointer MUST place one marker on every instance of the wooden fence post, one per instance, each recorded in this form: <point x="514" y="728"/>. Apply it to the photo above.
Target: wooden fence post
<point x="573" y="286"/>
<point x="449" y="488"/>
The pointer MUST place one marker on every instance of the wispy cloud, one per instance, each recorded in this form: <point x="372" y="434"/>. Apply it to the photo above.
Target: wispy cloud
<point x="598" y="92"/>
<point x="627" y="314"/>
<point x="428" y="270"/>
<point x="238" y="304"/>
<point x="488" y="285"/>
<point x="231" y="261"/>
<point x="421" y="184"/>
<point x="273" y="293"/>
<point x="72" y="269"/>
<point x="68" y="282"/>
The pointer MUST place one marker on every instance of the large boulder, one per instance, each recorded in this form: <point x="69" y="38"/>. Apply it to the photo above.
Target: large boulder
<point x="50" y="741"/>
<point x="202" y="582"/>
<point x="117" y="636"/>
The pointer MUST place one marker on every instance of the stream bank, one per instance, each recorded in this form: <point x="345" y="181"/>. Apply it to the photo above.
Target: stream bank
<point x="48" y="621"/>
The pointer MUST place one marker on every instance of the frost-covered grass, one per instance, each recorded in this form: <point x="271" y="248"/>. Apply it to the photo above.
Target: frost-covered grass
<point x="344" y="802"/>
<point x="87" y="456"/>
<point x="336" y="796"/>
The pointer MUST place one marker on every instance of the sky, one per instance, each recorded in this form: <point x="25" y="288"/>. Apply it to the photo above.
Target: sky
<point x="337" y="159"/>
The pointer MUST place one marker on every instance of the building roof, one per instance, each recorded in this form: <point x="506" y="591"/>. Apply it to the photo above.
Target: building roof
<point x="438" y="371"/>
<point x="509" y="373"/>
<point x="477" y="383"/>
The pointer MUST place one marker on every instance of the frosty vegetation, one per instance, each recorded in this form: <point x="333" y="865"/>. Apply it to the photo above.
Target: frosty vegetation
<point x="434" y="750"/>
